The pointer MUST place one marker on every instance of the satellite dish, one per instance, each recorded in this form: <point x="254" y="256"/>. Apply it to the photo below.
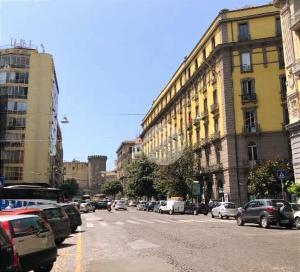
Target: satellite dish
<point x="65" y="120"/>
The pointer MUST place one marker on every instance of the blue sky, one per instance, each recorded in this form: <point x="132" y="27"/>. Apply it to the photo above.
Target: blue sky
<point x="112" y="57"/>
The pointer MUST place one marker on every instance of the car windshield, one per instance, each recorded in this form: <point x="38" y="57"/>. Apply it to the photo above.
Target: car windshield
<point x="28" y="226"/>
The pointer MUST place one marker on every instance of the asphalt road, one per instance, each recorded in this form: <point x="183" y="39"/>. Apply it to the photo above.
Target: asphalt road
<point x="137" y="241"/>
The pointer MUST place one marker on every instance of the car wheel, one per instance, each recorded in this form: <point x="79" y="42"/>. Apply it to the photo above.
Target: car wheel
<point x="220" y="216"/>
<point x="212" y="215"/>
<point x="195" y="212"/>
<point x="171" y="212"/>
<point x="297" y="221"/>
<point x="46" y="268"/>
<point x="289" y="226"/>
<point x="227" y="217"/>
<point x="239" y="220"/>
<point x="264" y="222"/>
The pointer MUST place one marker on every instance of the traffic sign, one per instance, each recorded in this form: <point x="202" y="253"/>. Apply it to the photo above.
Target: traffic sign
<point x="2" y="182"/>
<point x="281" y="174"/>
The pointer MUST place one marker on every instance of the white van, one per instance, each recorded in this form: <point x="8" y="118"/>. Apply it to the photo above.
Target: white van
<point x="172" y="206"/>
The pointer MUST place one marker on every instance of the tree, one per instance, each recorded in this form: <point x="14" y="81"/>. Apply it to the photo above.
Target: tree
<point x="294" y="189"/>
<point x="142" y="174"/>
<point x="70" y="188"/>
<point x="262" y="180"/>
<point x="180" y="174"/>
<point x="112" y="188"/>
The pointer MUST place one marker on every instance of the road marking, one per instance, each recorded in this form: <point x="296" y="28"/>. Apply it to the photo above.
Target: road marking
<point x="119" y="223"/>
<point x="89" y="225"/>
<point x="133" y="222"/>
<point x="160" y="221"/>
<point x="94" y="219"/>
<point x="142" y="244"/>
<point x="146" y="221"/>
<point x="78" y="251"/>
<point x="103" y="224"/>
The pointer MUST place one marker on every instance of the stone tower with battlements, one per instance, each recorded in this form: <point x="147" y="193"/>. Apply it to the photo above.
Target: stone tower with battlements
<point x="96" y="169"/>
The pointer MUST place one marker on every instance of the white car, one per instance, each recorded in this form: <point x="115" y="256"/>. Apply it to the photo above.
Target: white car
<point x="120" y="205"/>
<point x="33" y="239"/>
<point x="86" y="207"/>
<point x="224" y="209"/>
<point x="172" y="206"/>
<point x="297" y="218"/>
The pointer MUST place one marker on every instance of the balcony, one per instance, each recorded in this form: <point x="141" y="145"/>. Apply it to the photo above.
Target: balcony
<point x="212" y="168"/>
<point x="196" y="121"/>
<point x="244" y="37"/>
<point x="296" y="67"/>
<point x="246" y="68"/>
<point x="295" y="21"/>
<point x="250" y="129"/>
<point x="214" y="108"/>
<point x="204" y="115"/>
<point x="249" y="97"/>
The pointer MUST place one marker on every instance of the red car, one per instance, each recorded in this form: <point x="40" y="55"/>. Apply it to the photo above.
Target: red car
<point x="10" y="261"/>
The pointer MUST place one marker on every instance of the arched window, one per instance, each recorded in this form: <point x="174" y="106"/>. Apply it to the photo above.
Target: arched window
<point x="252" y="151"/>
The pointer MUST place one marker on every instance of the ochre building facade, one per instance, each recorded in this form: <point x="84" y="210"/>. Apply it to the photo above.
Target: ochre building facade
<point x="226" y="101"/>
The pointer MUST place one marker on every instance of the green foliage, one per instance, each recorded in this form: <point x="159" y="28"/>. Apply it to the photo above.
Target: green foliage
<point x="294" y="189"/>
<point x="70" y="188"/>
<point x="180" y="175"/>
<point x="142" y="174"/>
<point x="262" y="180"/>
<point x="112" y="188"/>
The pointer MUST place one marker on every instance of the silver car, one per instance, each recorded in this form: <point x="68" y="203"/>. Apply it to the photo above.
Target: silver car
<point x="224" y="209"/>
<point x="120" y="205"/>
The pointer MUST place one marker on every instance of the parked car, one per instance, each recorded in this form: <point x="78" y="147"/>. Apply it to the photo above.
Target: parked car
<point x="33" y="239"/>
<point x="192" y="208"/>
<point x="58" y="220"/>
<point x="74" y="215"/>
<point x="86" y="206"/>
<point x="25" y="210"/>
<point x="172" y="206"/>
<point x="150" y="206"/>
<point x="297" y="218"/>
<point x="101" y="204"/>
<point x="132" y="203"/>
<point x="266" y="212"/>
<point x="224" y="209"/>
<point x="157" y="206"/>
<point x="9" y="258"/>
<point x="120" y="205"/>
<point x="141" y="206"/>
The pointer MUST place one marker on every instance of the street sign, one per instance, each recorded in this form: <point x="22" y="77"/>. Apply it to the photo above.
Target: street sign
<point x="281" y="174"/>
<point x="2" y="181"/>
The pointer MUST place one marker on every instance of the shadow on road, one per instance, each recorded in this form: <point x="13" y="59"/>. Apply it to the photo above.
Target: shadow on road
<point x="65" y="245"/>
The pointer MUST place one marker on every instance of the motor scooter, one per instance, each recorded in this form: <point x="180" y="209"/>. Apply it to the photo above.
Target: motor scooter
<point x="109" y="206"/>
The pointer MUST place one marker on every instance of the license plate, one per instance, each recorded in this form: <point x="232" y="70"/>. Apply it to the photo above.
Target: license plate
<point x="284" y="221"/>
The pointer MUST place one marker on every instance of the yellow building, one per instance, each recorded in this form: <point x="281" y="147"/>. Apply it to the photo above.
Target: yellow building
<point x="28" y="120"/>
<point x="290" y="21"/>
<point x="79" y="171"/>
<point x="226" y="100"/>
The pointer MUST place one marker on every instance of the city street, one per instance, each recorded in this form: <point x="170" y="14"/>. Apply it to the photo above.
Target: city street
<point x="137" y="241"/>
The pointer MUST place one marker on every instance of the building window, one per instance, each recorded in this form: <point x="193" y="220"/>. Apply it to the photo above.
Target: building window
<point x="213" y="43"/>
<point x="198" y="136"/>
<point x="204" y="54"/>
<point x="204" y="82"/>
<point x="189" y="72"/>
<point x="252" y="151"/>
<point x="248" y="91"/>
<point x="244" y="34"/>
<point x="197" y="111"/>
<point x="206" y="130"/>
<point x="246" y="65"/>
<point x="205" y="105"/>
<point x="196" y="63"/>
<point x="14" y="91"/>
<point x="18" y="107"/>
<point x="250" y="121"/>
<point x="216" y="125"/>
<point x="281" y="58"/>
<point x="278" y="26"/>
<point x="13" y="173"/>
<point x="16" y="123"/>
<point x="215" y="97"/>
<point x="14" y="61"/>
<point x="283" y="86"/>
<point x="12" y="156"/>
